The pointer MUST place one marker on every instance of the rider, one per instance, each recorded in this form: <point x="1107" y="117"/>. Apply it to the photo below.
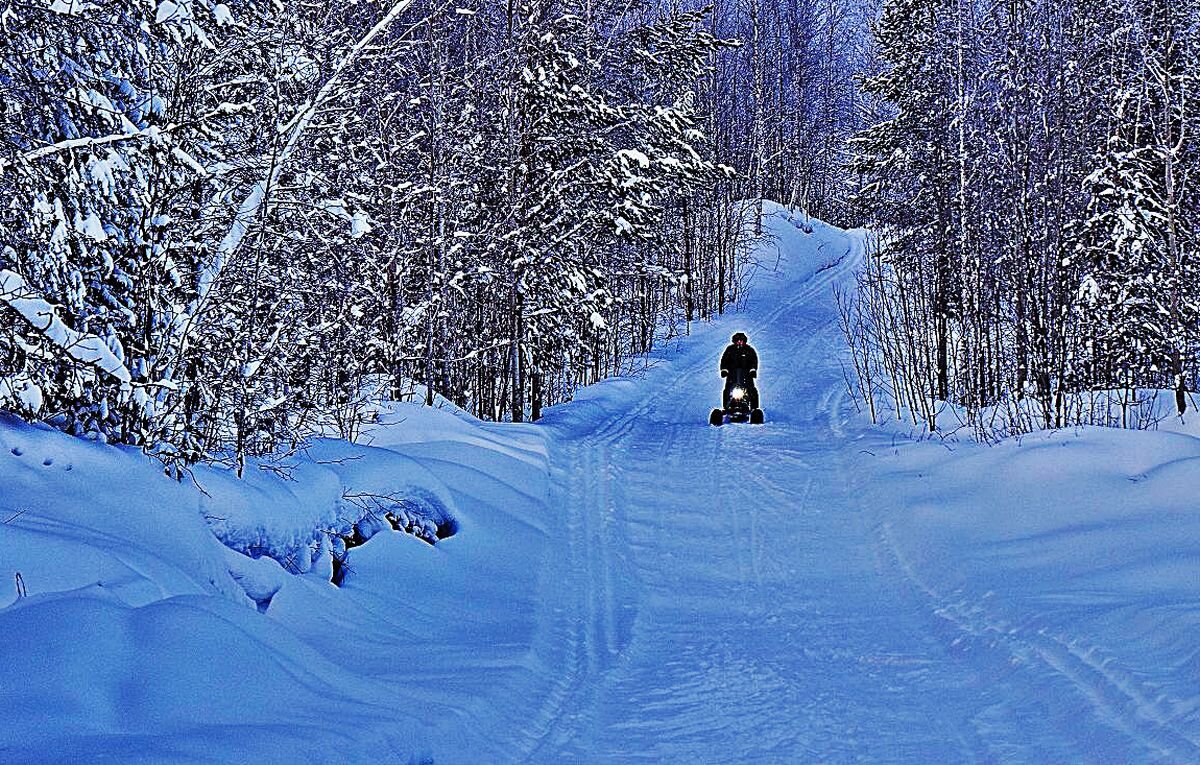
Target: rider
<point x="740" y="356"/>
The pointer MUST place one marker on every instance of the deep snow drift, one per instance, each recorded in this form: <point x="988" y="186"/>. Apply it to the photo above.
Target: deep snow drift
<point x="623" y="583"/>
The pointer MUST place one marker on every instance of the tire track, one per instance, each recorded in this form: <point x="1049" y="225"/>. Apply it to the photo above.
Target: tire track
<point x="1121" y="703"/>
<point x="593" y="522"/>
<point x="586" y="503"/>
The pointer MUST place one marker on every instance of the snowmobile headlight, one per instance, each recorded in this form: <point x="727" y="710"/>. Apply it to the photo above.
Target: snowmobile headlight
<point x="738" y="394"/>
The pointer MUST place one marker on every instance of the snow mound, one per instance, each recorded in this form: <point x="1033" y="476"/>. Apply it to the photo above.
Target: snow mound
<point x="78" y="515"/>
<point x="196" y="621"/>
<point x="1074" y="552"/>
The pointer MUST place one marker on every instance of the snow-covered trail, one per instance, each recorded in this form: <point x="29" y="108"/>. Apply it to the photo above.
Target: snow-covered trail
<point x="729" y="595"/>
<point x="731" y="603"/>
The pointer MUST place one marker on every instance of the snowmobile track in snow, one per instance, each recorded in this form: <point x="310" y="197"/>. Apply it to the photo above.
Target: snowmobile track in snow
<point x="1119" y="700"/>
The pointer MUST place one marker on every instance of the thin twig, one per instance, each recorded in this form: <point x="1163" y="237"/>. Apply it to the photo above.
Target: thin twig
<point x="15" y="516"/>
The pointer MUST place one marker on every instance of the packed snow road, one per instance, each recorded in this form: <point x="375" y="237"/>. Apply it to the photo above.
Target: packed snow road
<point x="729" y="600"/>
<point x="728" y="594"/>
<point x="719" y="597"/>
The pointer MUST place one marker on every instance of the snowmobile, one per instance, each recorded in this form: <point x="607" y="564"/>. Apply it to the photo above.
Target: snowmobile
<point x="738" y="407"/>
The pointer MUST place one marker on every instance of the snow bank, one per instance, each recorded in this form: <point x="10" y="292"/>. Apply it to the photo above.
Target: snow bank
<point x="1137" y="409"/>
<point x="1075" y="553"/>
<point x="81" y="516"/>
<point x="184" y="679"/>
<point x="152" y="641"/>
<point x="282" y="516"/>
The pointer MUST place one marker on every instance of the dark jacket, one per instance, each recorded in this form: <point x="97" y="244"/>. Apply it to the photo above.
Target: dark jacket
<point x="745" y="358"/>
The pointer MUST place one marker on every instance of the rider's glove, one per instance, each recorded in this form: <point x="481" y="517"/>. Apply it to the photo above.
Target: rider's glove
<point x="724" y="373"/>
<point x="754" y="373"/>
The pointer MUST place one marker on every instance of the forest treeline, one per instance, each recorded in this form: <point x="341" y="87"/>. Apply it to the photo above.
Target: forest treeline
<point x="1032" y="177"/>
<point x="225" y="227"/>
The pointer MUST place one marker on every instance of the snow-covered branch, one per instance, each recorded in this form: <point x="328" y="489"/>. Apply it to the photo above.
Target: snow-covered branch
<point x="257" y="196"/>
<point x="148" y="134"/>
<point x="41" y="315"/>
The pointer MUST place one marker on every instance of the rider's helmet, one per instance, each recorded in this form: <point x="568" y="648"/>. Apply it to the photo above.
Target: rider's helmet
<point x="739" y="337"/>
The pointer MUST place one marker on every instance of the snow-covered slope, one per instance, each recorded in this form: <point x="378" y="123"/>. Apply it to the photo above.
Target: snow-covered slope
<point x="626" y="583"/>
<point x="1071" y="562"/>
<point x="141" y="638"/>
